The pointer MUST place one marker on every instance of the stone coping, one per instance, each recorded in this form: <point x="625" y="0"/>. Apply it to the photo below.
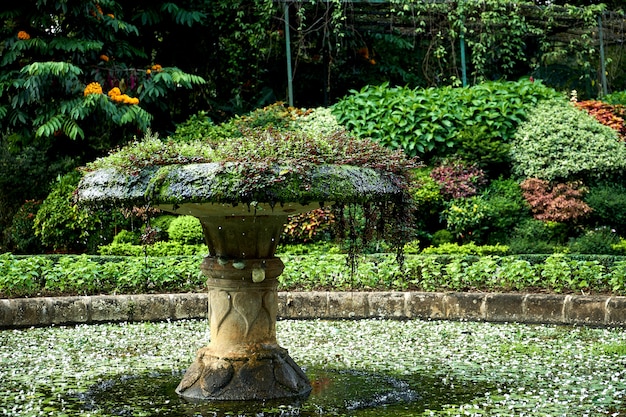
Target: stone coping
<point x="590" y="310"/>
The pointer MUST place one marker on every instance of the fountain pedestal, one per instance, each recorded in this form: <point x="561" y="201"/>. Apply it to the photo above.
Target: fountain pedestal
<point x="243" y="360"/>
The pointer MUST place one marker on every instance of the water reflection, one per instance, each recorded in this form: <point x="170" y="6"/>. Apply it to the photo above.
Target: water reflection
<point x="335" y="393"/>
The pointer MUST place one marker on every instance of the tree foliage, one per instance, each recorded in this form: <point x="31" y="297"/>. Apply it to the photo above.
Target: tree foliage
<point x="59" y="61"/>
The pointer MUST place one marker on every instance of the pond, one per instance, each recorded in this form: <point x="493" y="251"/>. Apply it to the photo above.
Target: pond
<point x="357" y="368"/>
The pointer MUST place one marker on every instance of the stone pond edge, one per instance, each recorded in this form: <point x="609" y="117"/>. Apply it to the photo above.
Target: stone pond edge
<point x="567" y="309"/>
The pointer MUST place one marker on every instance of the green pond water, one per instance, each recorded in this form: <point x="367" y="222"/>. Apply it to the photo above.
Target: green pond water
<point x="357" y="368"/>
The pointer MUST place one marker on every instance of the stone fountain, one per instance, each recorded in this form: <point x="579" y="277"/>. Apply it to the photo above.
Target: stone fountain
<point x="242" y="225"/>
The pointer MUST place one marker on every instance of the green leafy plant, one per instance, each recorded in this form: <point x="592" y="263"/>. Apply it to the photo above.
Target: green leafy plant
<point x="617" y="98"/>
<point x="441" y="237"/>
<point x="450" y="248"/>
<point x="421" y="121"/>
<point x="126" y="236"/>
<point x="506" y="207"/>
<point x="159" y="248"/>
<point x="537" y="236"/>
<point x="95" y="74"/>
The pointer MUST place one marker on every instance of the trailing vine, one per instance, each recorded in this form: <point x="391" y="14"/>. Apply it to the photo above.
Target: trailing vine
<point x="418" y="43"/>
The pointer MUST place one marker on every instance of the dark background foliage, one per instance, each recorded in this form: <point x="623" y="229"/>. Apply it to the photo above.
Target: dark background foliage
<point x="228" y="57"/>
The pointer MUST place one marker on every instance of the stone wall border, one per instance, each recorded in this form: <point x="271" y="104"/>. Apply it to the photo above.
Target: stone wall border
<point x="590" y="310"/>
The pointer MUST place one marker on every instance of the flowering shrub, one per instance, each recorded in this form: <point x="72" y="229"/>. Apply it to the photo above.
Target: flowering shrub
<point x="93" y="88"/>
<point x="155" y="68"/>
<point x="457" y="179"/>
<point x="560" y="202"/>
<point x="116" y="95"/>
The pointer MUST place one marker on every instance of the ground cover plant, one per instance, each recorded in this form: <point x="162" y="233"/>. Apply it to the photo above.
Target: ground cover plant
<point x="472" y="268"/>
<point x="435" y="368"/>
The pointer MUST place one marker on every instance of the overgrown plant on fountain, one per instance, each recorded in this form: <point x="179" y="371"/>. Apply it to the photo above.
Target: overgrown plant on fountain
<point x="242" y="186"/>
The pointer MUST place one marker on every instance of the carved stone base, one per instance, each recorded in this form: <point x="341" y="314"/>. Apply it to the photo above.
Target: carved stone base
<point x="243" y="360"/>
<point x="266" y="373"/>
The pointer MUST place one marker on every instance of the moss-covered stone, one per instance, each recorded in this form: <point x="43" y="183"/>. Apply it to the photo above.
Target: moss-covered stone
<point x="230" y="183"/>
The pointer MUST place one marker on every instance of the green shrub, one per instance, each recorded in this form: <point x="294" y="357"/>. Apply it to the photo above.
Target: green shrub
<point x="425" y="191"/>
<point x="608" y="204"/>
<point x="66" y="227"/>
<point x="537" y="236"/>
<point x="23" y="277"/>
<point x="600" y="241"/>
<point x="126" y="236"/>
<point x="160" y="226"/>
<point x="28" y="276"/>
<point x="616" y="98"/>
<point x="421" y="121"/>
<point x="479" y="144"/>
<point x="186" y="230"/>
<point x="197" y="126"/>
<point x="617" y="277"/>
<point x="441" y="237"/>
<point x="413" y="247"/>
<point x="561" y="142"/>
<point x="466" y="217"/>
<point x="505" y="208"/>
<point x="22" y="233"/>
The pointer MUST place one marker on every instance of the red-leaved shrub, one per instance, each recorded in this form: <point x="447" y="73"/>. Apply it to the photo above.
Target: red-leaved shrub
<point x="457" y="179"/>
<point x="559" y="202"/>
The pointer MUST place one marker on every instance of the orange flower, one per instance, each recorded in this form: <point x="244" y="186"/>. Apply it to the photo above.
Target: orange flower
<point x="114" y="92"/>
<point x="98" y="12"/>
<point x="148" y="71"/>
<point x="117" y="97"/>
<point x="112" y="16"/>
<point x="93" y="88"/>
<point x="22" y="35"/>
<point x="157" y="68"/>
<point x="104" y="58"/>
